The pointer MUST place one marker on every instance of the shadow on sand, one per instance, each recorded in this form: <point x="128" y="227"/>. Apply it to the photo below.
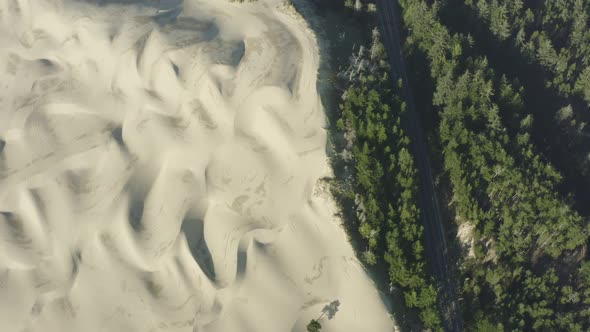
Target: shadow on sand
<point x="338" y="34"/>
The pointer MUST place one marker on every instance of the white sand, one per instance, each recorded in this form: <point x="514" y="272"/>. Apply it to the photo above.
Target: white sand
<point x="165" y="177"/>
<point x="465" y="236"/>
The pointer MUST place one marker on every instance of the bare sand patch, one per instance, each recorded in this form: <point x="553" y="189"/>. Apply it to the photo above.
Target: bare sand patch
<point x="158" y="164"/>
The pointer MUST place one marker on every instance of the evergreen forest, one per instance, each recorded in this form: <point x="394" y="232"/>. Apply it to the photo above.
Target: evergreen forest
<point x="502" y="90"/>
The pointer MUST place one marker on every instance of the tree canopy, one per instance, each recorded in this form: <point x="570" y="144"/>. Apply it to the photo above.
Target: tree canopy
<point x="528" y="270"/>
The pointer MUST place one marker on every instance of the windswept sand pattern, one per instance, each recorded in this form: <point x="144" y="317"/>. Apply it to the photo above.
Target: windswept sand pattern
<point x="159" y="165"/>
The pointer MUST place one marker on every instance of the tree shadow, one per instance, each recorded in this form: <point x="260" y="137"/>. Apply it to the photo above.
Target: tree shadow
<point x="331" y="309"/>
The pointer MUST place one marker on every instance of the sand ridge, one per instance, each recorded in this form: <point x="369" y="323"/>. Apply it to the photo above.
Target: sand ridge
<point x="159" y="171"/>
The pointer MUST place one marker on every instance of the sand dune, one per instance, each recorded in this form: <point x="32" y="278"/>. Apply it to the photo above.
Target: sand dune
<point x="159" y="171"/>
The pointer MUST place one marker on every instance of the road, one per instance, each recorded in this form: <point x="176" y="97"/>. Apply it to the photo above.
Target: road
<point x="436" y="245"/>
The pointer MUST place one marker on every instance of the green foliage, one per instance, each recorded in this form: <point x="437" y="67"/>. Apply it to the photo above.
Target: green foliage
<point x="549" y="43"/>
<point x="555" y="32"/>
<point x="524" y="275"/>
<point x="485" y="326"/>
<point x="385" y="183"/>
<point x="314" y="326"/>
<point x="582" y="86"/>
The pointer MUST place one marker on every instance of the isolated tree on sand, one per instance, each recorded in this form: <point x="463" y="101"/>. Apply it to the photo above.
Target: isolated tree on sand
<point x="314" y="326"/>
<point x="330" y="309"/>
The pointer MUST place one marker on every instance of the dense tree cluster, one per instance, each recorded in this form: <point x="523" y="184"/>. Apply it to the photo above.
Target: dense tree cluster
<point x="545" y="46"/>
<point x="529" y="270"/>
<point x="383" y="185"/>
<point x="553" y="33"/>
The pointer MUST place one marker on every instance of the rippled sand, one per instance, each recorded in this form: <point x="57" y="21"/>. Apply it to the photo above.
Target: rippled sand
<point x="159" y="167"/>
